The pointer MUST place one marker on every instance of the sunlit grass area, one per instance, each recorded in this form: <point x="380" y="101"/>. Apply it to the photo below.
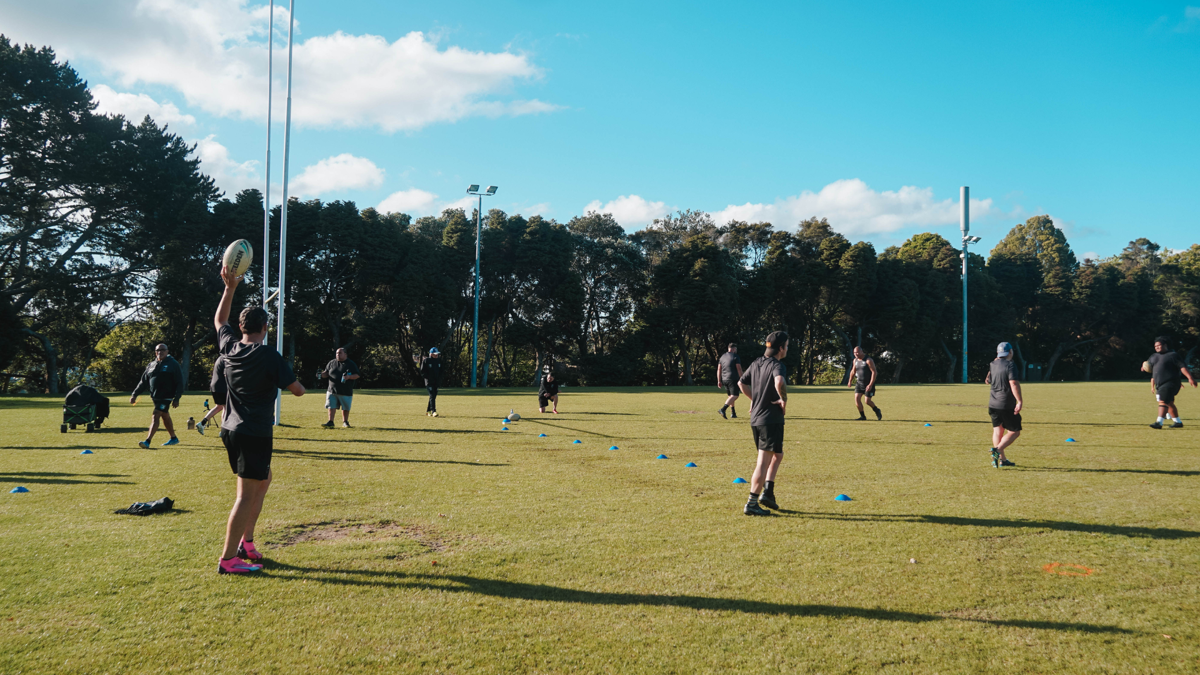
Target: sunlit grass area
<point x="409" y="543"/>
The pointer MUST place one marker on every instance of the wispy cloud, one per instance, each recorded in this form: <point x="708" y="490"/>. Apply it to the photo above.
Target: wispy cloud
<point x="135" y="107"/>
<point x="631" y="211"/>
<point x="336" y="174"/>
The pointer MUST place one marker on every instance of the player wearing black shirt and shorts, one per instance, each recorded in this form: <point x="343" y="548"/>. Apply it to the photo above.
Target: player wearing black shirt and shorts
<point x="865" y="376"/>
<point x="729" y="370"/>
<point x="1004" y="403"/>
<point x="547" y="391"/>
<point x="765" y="383"/>
<point x="1166" y="379"/>
<point x="431" y="370"/>
<point x="252" y="374"/>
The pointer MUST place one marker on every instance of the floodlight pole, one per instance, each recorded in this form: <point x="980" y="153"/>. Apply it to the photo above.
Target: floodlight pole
<point x="283" y="207"/>
<point x="473" y="190"/>
<point x="964" y="194"/>
<point x="267" y="189"/>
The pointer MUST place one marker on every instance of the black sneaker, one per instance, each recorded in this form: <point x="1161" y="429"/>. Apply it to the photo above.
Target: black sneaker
<point x="721" y="412"/>
<point x="861" y="417"/>
<point x="995" y="458"/>
<point x="878" y="413"/>
<point x="1177" y="425"/>
<point x="1156" y="425"/>
<point x="755" y="510"/>
<point x="733" y="414"/>
<point x="1005" y="462"/>
<point x="768" y="501"/>
<point x="328" y="424"/>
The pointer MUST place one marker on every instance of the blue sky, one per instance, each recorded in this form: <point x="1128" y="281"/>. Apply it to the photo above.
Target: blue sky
<point x="871" y="115"/>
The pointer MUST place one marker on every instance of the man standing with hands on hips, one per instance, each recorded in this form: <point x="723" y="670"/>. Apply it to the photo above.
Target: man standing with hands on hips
<point x="341" y="373"/>
<point x="765" y="384"/>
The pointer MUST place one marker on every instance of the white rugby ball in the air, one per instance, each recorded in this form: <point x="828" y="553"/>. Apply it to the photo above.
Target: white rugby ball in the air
<point x="238" y="256"/>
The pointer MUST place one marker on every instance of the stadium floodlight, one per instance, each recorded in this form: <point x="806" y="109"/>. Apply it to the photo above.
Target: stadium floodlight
<point x="964" y="197"/>
<point x="474" y="190"/>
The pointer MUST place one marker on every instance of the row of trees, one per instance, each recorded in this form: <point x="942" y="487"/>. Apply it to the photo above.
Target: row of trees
<point x="110" y="237"/>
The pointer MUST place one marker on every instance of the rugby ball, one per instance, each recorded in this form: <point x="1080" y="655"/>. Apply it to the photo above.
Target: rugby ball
<point x="238" y="256"/>
<point x="1145" y="366"/>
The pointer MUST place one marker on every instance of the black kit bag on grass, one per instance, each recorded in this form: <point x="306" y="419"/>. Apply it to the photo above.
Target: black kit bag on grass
<point x="146" y="508"/>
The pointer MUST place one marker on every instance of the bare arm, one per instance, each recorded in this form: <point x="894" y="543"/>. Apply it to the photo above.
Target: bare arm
<point x="1016" y="389"/>
<point x="1188" y="374"/>
<point x="871" y="364"/>
<point x="781" y="387"/>
<point x="231" y="281"/>
<point x="296" y="388"/>
<point x="718" y="374"/>
<point x="739" y="367"/>
<point x="988" y="379"/>
<point x="745" y="389"/>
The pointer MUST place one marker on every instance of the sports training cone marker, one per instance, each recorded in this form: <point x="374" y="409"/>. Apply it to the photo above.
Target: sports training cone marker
<point x="614" y="448"/>
<point x="1070" y="440"/>
<point x="504" y="429"/>
<point x="662" y="457"/>
<point x="843" y="498"/>
<point x="576" y="441"/>
<point x="690" y="465"/>
<point x="739" y="480"/>
<point x="87" y="452"/>
<point x="928" y="424"/>
<point x="18" y="489"/>
<point x="541" y="435"/>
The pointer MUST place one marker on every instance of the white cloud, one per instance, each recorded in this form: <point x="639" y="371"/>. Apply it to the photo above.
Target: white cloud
<point x="213" y="52"/>
<point x="631" y="211"/>
<point x="229" y="175"/>
<point x="410" y="201"/>
<point x="135" y="107"/>
<point x="336" y="174"/>
<point x="854" y="209"/>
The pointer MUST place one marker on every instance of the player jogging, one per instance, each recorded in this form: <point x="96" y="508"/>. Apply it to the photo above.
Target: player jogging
<point x="341" y="373"/>
<point x="431" y="370"/>
<point x="1166" y="369"/>
<point x="1004" y="404"/>
<point x="163" y="378"/>
<point x="865" y="375"/>
<point x="253" y="374"/>
<point x="729" y="371"/>
<point x="547" y="391"/>
<point x="765" y="383"/>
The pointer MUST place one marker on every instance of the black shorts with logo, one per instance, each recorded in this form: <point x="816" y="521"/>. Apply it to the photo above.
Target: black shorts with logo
<point x="1005" y="418"/>
<point x="218" y="398"/>
<point x="862" y="389"/>
<point x="162" y="405"/>
<point x="249" y="456"/>
<point x="731" y="389"/>
<point x="1166" y="392"/>
<point x="769" y="437"/>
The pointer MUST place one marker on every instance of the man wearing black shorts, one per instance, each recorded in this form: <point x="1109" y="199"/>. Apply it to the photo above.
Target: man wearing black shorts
<point x="765" y="383"/>
<point x="1004" y="404"/>
<point x="1166" y="369"/>
<point x="547" y="391"/>
<point x="253" y="373"/>
<point x="163" y="378"/>
<point x="431" y="371"/>
<point x="729" y="371"/>
<point x="865" y="376"/>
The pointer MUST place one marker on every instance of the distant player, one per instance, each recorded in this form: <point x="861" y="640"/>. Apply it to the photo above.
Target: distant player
<point x="252" y="373"/>
<point x="216" y="387"/>
<point x="341" y="373"/>
<point x="547" y="391"/>
<point x="865" y="376"/>
<point x="431" y="370"/>
<point x="163" y="378"/>
<point x="1004" y="404"/>
<point x="1165" y="370"/>
<point x="729" y="371"/>
<point x="765" y="383"/>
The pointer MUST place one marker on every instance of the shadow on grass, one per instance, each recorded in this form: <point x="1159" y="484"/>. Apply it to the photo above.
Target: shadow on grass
<point x="370" y="457"/>
<point x="1161" y="472"/>
<point x="560" y="426"/>
<point x="436" y="431"/>
<point x="1058" y="525"/>
<point x="544" y="593"/>
<point x="350" y="440"/>
<point x="58" y="478"/>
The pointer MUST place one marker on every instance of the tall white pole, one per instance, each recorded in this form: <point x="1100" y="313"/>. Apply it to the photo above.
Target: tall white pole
<point x="266" y="256"/>
<point x="475" y="324"/>
<point x="283" y="207"/>
<point x="964" y="195"/>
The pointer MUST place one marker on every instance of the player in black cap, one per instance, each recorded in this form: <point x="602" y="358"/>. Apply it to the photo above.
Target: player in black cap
<point x="765" y="384"/>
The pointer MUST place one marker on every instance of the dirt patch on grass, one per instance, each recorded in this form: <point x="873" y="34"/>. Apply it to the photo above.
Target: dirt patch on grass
<point x="428" y="539"/>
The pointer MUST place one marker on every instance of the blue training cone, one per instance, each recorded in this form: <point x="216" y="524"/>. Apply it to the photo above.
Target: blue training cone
<point x="576" y="441"/>
<point x="18" y="489"/>
<point x="541" y="435"/>
<point x="614" y="448"/>
<point x="1070" y="440"/>
<point x="843" y="498"/>
<point x="662" y="457"/>
<point x="504" y="429"/>
<point x="928" y="424"/>
<point x="690" y="465"/>
<point x="739" y="480"/>
<point x="87" y="452"/>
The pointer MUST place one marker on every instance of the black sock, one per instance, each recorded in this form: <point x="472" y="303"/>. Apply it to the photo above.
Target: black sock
<point x="733" y="410"/>
<point x="753" y="500"/>
<point x="724" y="408"/>
<point x="770" y="489"/>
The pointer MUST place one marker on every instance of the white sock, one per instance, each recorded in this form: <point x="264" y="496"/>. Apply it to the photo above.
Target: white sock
<point x="1160" y="420"/>
<point x="1176" y="420"/>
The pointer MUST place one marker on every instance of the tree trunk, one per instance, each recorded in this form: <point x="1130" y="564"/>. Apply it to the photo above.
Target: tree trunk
<point x="185" y="354"/>
<point x="487" y="356"/>
<point x="1021" y="359"/>
<point x="51" y="360"/>
<point x="687" y="364"/>
<point x="1087" y="367"/>
<point x="953" y="362"/>
<point x="900" y="361"/>
<point x="1058" y="352"/>
<point x="849" y="353"/>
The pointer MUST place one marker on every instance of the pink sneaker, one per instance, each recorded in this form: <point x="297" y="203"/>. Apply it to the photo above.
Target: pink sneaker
<point x="247" y="551"/>
<point x="236" y="566"/>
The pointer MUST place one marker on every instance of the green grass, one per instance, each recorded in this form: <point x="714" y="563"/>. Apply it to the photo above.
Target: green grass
<point x="555" y="557"/>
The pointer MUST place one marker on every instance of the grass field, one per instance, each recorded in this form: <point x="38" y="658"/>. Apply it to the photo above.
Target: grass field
<point x="447" y="545"/>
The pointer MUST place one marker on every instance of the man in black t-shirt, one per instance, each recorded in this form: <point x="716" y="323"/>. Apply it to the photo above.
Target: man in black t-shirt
<point x="252" y="373"/>
<point x="547" y="391"/>
<point x="341" y="373"/>
<point x="1004" y="403"/>
<point x="1166" y="379"/>
<point x="431" y="371"/>
<point x="163" y="378"/>
<point x="729" y="371"/>
<point x="765" y="383"/>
